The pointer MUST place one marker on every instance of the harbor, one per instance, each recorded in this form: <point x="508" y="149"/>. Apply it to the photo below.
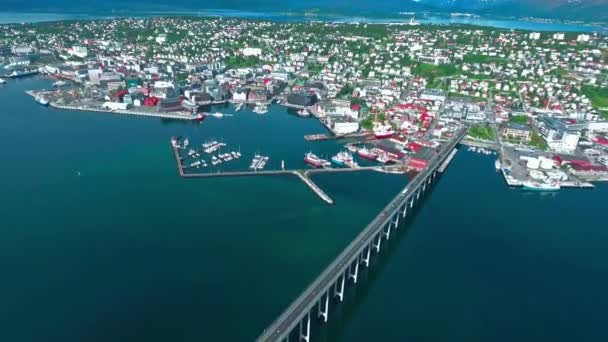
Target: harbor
<point x="534" y="171"/>
<point x="257" y="165"/>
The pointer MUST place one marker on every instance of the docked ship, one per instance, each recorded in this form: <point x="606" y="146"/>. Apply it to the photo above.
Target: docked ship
<point x="218" y="115"/>
<point x="42" y="100"/>
<point x="199" y="117"/>
<point x="314" y="161"/>
<point x="260" y="109"/>
<point x="538" y="186"/>
<point x="367" y="154"/>
<point x="384" y="159"/>
<point x="383" y="132"/>
<point x="23" y="73"/>
<point x="341" y="158"/>
<point x="303" y="112"/>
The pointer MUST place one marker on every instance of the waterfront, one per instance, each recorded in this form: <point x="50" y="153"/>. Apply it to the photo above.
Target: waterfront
<point x="103" y="241"/>
<point x="424" y="18"/>
<point x="144" y="254"/>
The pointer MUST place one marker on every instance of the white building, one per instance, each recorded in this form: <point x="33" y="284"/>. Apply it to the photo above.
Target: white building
<point x="161" y="38"/>
<point x="566" y="144"/>
<point x="252" y="51"/>
<point x="583" y="38"/>
<point x="535" y="36"/>
<point x="78" y="51"/>
<point x="345" y="127"/>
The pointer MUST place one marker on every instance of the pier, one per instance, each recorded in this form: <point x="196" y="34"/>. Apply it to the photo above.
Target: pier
<point x="304" y="177"/>
<point x="344" y="269"/>
<point x="302" y="174"/>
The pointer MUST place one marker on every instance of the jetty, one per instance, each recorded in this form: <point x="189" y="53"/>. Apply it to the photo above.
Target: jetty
<point x="304" y="177"/>
<point x="302" y="174"/>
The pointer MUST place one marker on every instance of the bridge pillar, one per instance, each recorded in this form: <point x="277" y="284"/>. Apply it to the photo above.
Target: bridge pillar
<point x="424" y="187"/>
<point x="387" y="233"/>
<point x="404" y="210"/>
<point x="305" y="336"/>
<point x="418" y="195"/>
<point x="430" y="180"/>
<point x="396" y="222"/>
<point x="367" y="255"/>
<point x="377" y="245"/>
<point x="340" y="293"/>
<point x="412" y="203"/>
<point x="323" y="310"/>
<point x="356" y="273"/>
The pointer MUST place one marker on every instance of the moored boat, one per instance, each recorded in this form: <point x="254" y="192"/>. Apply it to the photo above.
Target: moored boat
<point x="367" y="154"/>
<point x="341" y="158"/>
<point x="383" y="132"/>
<point x="538" y="186"/>
<point x="22" y="73"/>
<point x="314" y="161"/>
<point x="303" y="112"/>
<point x="42" y="100"/>
<point x="199" y="117"/>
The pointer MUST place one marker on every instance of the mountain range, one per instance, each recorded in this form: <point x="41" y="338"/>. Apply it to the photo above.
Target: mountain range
<point x="584" y="10"/>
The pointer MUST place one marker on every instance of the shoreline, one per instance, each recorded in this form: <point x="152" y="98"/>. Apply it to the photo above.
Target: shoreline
<point x="526" y="23"/>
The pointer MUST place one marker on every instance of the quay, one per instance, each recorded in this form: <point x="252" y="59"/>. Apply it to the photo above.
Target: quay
<point x="515" y="183"/>
<point x="447" y="162"/>
<point x="55" y="105"/>
<point x="344" y="269"/>
<point x="322" y="136"/>
<point x="125" y="112"/>
<point x="481" y="144"/>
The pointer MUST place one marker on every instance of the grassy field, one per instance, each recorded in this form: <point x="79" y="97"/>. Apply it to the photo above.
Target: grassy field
<point x="481" y="59"/>
<point x="598" y="96"/>
<point x="481" y="131"/>
<point x="520" y="119"/>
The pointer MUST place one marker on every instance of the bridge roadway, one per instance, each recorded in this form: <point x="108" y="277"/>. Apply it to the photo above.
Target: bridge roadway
<point x="300" y="308"/>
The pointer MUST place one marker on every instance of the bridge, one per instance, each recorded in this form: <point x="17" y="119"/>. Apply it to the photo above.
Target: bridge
<point x="296" y="319"/>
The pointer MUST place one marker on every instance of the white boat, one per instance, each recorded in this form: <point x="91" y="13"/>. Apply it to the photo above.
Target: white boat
<point x="42" y="100"/>
<point x="2" y="81"/>
<point x="260" y="109"/>
<point x="218" y="115"/>
<point x="303" y="112"/>
<point x="538" y="186"/>
<point x="239" y="107"/>
<point x="497" y="164"/>
<point x="60" y="83"/>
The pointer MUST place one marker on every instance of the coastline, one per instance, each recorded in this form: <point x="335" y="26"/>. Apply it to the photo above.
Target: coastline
<point x="524" y="23"/>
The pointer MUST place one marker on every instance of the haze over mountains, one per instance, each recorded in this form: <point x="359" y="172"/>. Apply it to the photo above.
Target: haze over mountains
<point x="587" y="10"/>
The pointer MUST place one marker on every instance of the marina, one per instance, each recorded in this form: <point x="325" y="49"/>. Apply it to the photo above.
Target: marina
<point x="256" y="168"/>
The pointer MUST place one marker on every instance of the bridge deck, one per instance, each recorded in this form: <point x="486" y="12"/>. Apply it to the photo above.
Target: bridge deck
<point x="302" y="305"/>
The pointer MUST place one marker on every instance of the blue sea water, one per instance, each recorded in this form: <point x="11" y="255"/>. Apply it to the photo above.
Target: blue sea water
<point x="102" y="241"/>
